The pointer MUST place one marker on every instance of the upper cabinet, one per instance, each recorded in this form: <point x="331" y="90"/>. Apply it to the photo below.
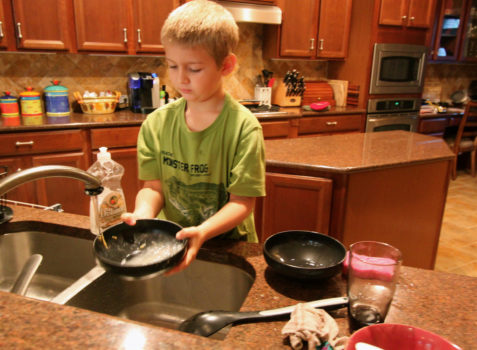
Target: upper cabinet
<point x="315" y="29"/>
<point x="407" y="13"/>
<point x="456" y="31"/>
<point x="149" y="16"/>
<point x="42" y="26"/>
<point x="101" y="25"/>
<point x="121" y="25"/>
<point x="3" y="26"/>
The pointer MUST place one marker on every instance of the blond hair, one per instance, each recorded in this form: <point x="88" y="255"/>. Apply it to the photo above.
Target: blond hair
<point x="205" y="24"/>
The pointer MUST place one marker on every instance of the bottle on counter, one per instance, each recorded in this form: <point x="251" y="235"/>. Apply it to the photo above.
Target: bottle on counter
<point x="164" y="96"/>
<point x="107" y="207"/>
<point x="10" y="110"/>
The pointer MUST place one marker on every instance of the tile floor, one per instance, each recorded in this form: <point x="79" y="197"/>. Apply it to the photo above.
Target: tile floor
<point x="457" y="250"/>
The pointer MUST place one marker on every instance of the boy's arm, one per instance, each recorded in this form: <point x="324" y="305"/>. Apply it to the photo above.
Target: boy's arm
<point x="149" y="202"/>
<point x="228" y="217"/>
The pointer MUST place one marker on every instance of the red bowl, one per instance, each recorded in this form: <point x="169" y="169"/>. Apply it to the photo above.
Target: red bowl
<point x="398" y="336"/>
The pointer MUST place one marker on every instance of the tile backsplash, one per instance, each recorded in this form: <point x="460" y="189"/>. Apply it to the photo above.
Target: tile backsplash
<point x="81" y="72"/>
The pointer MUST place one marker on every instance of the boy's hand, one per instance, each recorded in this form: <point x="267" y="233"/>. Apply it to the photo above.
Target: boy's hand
<point x="196" y="239"/>
<point x="129" y="218"/>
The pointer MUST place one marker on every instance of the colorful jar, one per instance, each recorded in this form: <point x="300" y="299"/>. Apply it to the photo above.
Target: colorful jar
<point x="56" y="100"/>
<point x="10" y="111"/>
<point x="30" y="103"/>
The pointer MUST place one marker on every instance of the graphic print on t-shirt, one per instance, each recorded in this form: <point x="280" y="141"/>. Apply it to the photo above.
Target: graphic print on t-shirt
<point x="196" y="202"/>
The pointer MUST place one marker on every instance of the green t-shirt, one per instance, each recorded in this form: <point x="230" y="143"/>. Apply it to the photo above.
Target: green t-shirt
<point x="198" y="170"/>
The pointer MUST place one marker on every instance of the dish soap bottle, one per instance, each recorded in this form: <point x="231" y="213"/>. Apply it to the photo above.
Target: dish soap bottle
<point x="107" y="207"/>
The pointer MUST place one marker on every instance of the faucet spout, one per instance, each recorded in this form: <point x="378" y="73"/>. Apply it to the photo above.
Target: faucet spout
<point x="92" y="183"/>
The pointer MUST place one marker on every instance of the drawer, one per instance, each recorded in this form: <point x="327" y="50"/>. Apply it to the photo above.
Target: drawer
<point x="114" y="137"/>
<point x="275" y="129"/>
<point x="41" y="142"/>
<point x="330" y="124"/>
<point x="431" y="126"/>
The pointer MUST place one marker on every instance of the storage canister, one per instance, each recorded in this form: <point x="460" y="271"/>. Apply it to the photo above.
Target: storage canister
<point x="30" y="103"/>
<point x="10" y="111"/>
<point x="56" y="100"/>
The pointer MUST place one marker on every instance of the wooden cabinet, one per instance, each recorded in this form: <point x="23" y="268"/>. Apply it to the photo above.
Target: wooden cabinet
<point x="121" y="25"/>
<point x="149" y="16"/>
<point x="296" y="202"/>
<point x="121" y="142"/>
<point x="24" y="150"/>
<point x="6" y="26"/>
<point x="101" y="25"/>
<point x="408" y="13"/>
<point x="315" y="29"/>
<point x="436" y="126"/>
<point x="311" y="126"/>
<point x="42" y="26"/>
<point x="456" y="31"/>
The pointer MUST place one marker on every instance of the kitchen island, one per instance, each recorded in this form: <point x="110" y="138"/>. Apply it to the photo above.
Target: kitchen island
<point x="439" y="302"/>
<point x="387" y="186"/>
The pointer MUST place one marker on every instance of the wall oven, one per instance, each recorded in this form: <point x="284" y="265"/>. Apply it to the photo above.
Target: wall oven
<point x="397" y="69"/>
<point x="393" y="114"/>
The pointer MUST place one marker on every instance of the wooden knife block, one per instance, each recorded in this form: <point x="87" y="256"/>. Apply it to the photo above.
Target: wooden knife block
<point x="279" y="97"/>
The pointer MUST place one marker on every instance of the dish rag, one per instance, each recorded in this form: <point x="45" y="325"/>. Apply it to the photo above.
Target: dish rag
<point x="314" y="326"/>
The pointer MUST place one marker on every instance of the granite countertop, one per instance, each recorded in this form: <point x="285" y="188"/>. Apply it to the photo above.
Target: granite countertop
<point x="438" y="302"/>
<point x="354" y="152"/>
<point x="128" y="118"/>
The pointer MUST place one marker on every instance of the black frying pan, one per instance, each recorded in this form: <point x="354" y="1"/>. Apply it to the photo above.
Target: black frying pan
<point x="147" y="248"/>
<point x="304" y="254"/>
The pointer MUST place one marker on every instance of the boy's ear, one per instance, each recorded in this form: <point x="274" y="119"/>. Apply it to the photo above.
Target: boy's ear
<point x="229" y="64"/>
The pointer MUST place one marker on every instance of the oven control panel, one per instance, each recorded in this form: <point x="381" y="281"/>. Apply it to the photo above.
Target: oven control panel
<point x="388" y="105"/>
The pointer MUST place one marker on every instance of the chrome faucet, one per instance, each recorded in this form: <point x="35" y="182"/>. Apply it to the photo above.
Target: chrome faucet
<point x="92" y="184"/>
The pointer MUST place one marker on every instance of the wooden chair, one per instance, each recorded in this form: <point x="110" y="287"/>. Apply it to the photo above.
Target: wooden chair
<point x="465" y="138"/>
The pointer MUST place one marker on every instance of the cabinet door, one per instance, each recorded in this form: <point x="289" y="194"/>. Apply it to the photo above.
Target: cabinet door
<point x="102" y="25"/>
<point x="469" y="40"/>
<point x="24" y="193"/>
<point x="149" y="16"/>
<point x="449" y="30"/>
<point x="68" y="192"/>
<point x="41" y="25"/>
<point x="5" y="33"/>
<point x="298" y="30"/>
<point x="420" y="14"/>
<point x="393" y="12"/>
<point x="296" y="202"/>
<point x="333" y="33"/>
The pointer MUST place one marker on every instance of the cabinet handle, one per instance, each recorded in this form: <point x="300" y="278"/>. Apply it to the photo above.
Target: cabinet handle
<point x="404" y="18"/>
<point x="19" y="27"/>
<point x="125" y="31"/>
<point x="24" y="143"/>
<point x="139" y="36"/>
<point x="1" y="30"/>
<point x="312" y="44"/>
<point x="321" y="43"/>
<point x="412" y="18"/>
<point x="331" y="123"/>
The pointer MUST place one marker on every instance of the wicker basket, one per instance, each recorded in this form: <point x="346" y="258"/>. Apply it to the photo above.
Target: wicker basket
<point x="98" y="105"/>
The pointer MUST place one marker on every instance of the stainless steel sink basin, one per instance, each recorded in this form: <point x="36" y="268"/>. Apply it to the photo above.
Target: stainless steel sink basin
<point x="69" y="275"/>
<point x="65" y="259"/>
<point x="167" y="301"/>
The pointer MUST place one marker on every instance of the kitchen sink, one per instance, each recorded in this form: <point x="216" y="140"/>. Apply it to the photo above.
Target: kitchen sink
<point x="69" y="275"/>
<point x="167" y="301"/>
<point x="65" y="259"/>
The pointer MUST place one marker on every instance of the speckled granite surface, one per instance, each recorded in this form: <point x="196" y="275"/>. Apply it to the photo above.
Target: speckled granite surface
<point x="356" y="151"/>
<point x="439" y="302"/>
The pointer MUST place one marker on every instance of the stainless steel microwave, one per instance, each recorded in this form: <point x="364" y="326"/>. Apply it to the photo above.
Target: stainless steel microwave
<point x="397" y="69"/>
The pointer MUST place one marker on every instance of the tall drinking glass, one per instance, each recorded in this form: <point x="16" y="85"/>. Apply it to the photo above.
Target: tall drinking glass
<point x="372" y="275"/>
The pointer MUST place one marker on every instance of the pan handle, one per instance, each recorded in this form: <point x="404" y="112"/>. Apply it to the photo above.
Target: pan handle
<point x="314" y="304"/>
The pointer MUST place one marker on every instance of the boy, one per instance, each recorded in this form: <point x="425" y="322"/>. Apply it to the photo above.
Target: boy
<point x="202" y="156"/>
